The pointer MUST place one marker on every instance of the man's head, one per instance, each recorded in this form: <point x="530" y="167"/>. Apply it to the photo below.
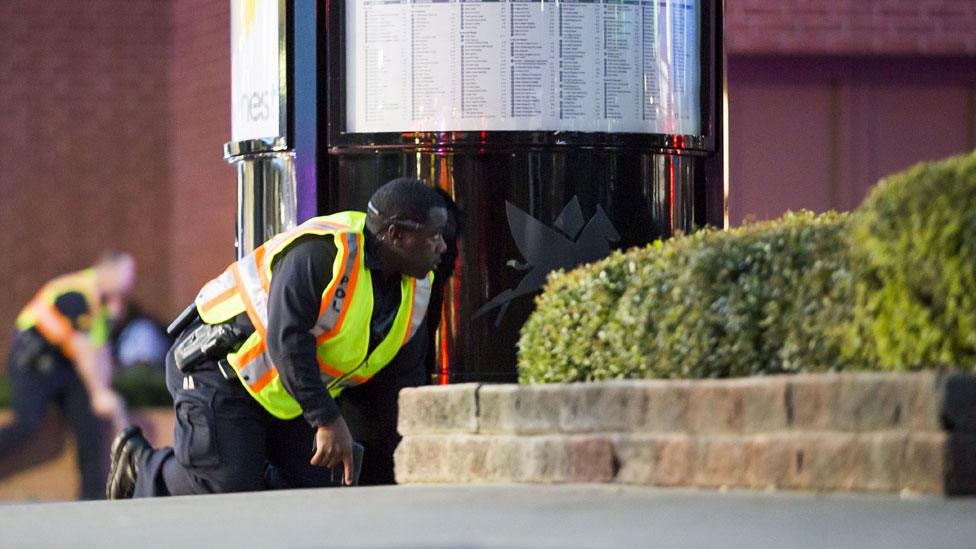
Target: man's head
<point x="408" y="219"/>
<point x="116" y="273"/>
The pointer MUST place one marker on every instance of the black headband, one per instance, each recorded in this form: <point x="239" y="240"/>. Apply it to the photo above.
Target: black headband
<point x="394" y="220"/>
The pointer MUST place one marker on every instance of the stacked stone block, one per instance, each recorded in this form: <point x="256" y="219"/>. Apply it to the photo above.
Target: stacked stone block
<point x="862" y="432"/>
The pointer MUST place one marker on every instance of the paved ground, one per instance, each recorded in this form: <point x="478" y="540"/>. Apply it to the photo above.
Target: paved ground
<point x="497" y="516"/>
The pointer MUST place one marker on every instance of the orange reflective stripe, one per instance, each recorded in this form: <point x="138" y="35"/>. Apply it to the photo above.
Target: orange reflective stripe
<point x="252" y="313"/>
<point x="251" y="354"/>
<point x="327" y="225"/>
<point x="329" y="369"/>
<point x="262" y="274"/>
<point x="349" y="291"/>
<point x="51" y="323"/>
<point x="330" y="293"/>
<point x="69" y="349"/>
<point x="55" y="328"/>
<point x="418" y="304"/>
<point x="413" y="293"/>
<point x="267" y="378"/>
<point x="336" y="373"/>
<point x="224" y="296"/>
<point x="350" y="288"/>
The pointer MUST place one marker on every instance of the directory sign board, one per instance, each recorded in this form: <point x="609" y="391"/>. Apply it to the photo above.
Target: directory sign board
<point x="257" y="69"/>
<point x="523" y="65"/>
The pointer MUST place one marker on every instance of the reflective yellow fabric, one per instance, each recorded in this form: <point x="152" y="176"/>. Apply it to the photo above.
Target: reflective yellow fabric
<point x="343" y="356"/>
<point x="342" y="330"/>
<point x="42" y="314"/>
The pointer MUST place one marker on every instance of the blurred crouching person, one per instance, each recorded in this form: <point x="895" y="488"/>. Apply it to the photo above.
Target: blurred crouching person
<point x="60" y="355"/>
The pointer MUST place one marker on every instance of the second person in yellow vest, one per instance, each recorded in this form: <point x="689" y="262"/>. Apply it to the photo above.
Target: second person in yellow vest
<point x="61" y="355"/>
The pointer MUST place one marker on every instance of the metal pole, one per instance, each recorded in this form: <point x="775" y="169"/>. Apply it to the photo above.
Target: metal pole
<point x="266" y="203"/>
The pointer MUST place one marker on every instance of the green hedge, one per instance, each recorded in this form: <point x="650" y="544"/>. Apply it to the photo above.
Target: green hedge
<point x="140" y="386"/>
<point x="4" y="392"/>
<point x="914" y="244"/>
<point x="768" y="297"/>
<point x="893" y="286"/>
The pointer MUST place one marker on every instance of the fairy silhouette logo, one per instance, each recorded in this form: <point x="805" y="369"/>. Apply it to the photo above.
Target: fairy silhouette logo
<point x="565" y="245"/>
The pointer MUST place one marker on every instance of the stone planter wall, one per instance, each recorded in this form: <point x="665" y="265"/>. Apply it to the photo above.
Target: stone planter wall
<point x="863" y="432"/>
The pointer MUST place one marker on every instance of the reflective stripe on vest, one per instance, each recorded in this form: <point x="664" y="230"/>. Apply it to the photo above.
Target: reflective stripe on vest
<point x="219" y="300"/>
<point x="341" y="345"/>
<point x="253" y="363"/>
<point x="344" y="347"/>
<point x="42" y="314"/>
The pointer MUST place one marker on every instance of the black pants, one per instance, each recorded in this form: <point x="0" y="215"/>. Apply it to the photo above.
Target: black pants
<point x="370" y="409"/>
<point x="224" y="441"/>
<point x="38" y="380"/>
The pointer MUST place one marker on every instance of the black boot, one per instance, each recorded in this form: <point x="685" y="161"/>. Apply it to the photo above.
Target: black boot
<point x="128" y="448"/>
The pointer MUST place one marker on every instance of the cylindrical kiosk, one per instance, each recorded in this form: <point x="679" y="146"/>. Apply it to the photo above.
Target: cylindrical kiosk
<point x="563" y="130"/>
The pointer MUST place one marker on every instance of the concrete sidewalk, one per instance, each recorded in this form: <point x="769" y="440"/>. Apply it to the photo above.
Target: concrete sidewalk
<point x="496" y="516"/>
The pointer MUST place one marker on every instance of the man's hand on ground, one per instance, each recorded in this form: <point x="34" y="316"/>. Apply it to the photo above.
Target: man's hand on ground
<point x="333" y="445"/>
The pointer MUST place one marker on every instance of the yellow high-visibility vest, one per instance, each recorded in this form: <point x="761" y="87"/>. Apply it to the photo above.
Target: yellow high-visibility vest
<point x="342" y="329"/>
<point x="42" y="314"/>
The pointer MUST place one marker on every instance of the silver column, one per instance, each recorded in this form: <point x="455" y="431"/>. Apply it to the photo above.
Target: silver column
<point x="266" y="203"/>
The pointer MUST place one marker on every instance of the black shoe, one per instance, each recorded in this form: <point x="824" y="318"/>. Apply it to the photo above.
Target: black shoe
<point x="128" y="448"/>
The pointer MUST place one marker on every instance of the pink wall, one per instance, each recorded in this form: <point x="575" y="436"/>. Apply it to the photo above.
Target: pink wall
<point x="851" y="27"/>
<point x="83" y="153"/>
<point x="818" y="132"/>
<point x="113" y="114"/>
<point x="828" y="96"/>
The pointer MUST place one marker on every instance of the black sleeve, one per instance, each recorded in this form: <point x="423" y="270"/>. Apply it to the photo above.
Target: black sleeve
<point x="74" y="307"/>
<point x="299" y="279"/>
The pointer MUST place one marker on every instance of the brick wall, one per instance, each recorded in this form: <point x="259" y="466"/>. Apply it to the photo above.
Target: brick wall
<point x="113" y="114"/>
<point x="204" y="196"/>
<point x="851" y="27"/>
<point x="83" y="118"/>
<point x="828" y="96"/>
<point x="819" y="132"/>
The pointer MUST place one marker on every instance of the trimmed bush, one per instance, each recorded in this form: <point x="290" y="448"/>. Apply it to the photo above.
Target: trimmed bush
<point x="4" y="393"/>
<point x="567" y="337"/>
<point x="142" y="386"/>
<point x="769" y="297"/>
<point x="914" y="245"/>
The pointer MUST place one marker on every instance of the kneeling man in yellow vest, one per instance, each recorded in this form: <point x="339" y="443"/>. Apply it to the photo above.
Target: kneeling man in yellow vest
<point x="266" y="347"/>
